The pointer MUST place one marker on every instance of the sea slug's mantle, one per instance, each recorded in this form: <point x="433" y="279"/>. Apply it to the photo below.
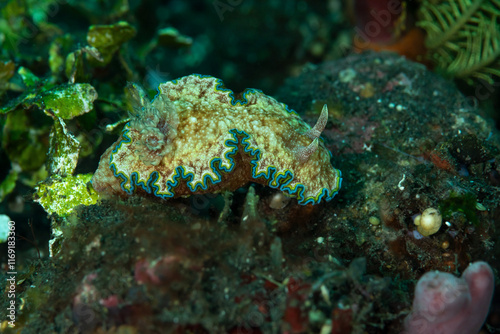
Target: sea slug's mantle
<point x="198" y="137"/>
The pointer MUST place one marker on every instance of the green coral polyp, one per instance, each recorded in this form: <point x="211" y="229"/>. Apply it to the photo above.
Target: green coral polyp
<point x="220" y="143"/>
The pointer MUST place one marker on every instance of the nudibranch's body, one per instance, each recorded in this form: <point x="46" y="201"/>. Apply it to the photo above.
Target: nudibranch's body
<point x="196" y="137"/>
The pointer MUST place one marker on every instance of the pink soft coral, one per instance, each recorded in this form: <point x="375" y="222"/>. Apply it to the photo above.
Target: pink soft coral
<point x="445" y="304"/>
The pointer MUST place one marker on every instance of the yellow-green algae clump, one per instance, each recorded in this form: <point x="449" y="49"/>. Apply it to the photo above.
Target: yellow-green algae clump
<point x="197" y="137"/>
<point x="61" y="195"/>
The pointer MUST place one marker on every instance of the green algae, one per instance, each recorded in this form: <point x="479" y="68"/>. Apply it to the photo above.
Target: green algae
<point x="67" y="101"/>
<point x="12" y="27"/>
<point x="461" y="203"/>
<point x="74" y="66"/>
<point x="29" y="83"/>
<point x="24" y="139"/>
<point x="9" y="183"/>
<point x="64" y="150"/>
<point x="7" y="70"/>
<point x="30" y="80"/>
<point x="58" y="50"/>
<point x="172" y="37"/>
<point x="32" y="178"/>
<point x="109" y="38"/>
<point x="60" y="195"/>
<point x="25" y="135"/>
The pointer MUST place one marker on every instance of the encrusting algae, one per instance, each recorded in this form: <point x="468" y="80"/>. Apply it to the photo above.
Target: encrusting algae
<point x="197" y="137"/>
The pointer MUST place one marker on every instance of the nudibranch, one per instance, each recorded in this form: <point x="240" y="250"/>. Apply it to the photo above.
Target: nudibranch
<point x="197" y="137"/>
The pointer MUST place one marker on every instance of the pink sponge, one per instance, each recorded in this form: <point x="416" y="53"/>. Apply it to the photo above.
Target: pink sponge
<point x="445" y="304"/>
